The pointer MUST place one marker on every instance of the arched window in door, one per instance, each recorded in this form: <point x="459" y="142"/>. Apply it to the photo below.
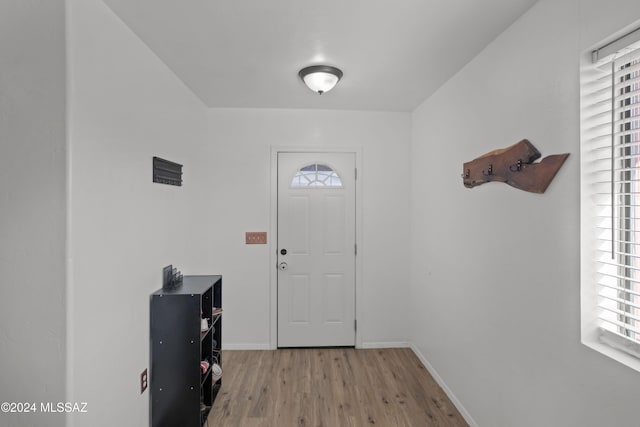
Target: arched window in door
<point x="316" y="175"/>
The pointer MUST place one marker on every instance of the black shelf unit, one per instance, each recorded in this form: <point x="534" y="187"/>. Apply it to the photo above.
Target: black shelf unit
<point x="181" y="395"/>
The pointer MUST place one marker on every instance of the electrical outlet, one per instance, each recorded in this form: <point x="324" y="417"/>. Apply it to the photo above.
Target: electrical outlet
<point x="255" y="238"/>
<point x="143" y="381"/>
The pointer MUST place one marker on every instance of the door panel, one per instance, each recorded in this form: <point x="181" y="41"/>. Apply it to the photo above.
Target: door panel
<point x="334" y="304"/>
<point x="298" y="223"/>
<point x="334" y="226"/>
<point x="316" y="228"/>
<point x="299" y="299"/>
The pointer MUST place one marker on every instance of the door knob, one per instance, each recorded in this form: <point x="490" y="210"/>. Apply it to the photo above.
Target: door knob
<point x="283" y="266"/>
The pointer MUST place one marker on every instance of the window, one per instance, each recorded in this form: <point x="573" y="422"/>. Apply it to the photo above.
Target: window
<point x="316" y="175"/>
<point x="610" y="200"/>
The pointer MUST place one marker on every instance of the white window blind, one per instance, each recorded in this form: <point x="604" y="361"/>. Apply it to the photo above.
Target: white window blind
<point x="611" y="177"/>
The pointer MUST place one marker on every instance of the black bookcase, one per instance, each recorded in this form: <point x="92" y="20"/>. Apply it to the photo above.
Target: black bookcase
<point x="181" y="395"/>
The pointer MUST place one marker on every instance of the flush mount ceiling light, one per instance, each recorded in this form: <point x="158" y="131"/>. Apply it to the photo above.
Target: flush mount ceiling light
<point x="320" y="78"/>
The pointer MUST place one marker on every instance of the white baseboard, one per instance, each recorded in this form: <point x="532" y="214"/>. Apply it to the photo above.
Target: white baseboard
<point x="245" y="346"/>
<point x="266" y="346"/>
<point x="467" y="417"/>
<point x="385" y="344"/>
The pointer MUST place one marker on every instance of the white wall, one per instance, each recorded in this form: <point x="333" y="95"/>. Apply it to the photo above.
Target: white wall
<point x="495" y="271"/>
<point x="125" y="107"/>
<point x="240" y="150"/>
<point x="32" y="207"/>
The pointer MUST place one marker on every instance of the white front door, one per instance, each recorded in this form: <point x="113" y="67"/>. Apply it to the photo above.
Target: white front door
<point x="316" y="249"/>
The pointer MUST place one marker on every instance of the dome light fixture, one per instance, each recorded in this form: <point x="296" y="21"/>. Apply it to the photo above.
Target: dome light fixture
<point x="320" y="78"/>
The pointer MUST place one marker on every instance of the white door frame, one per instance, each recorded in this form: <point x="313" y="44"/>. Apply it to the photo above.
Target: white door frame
<point x="273" y="231"/>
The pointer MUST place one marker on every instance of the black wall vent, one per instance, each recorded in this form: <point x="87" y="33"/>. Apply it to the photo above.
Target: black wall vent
<point x="166" y="172"/>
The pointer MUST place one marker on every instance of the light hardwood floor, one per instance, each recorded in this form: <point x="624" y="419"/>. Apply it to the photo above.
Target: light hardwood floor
<point x="332" y="387"/>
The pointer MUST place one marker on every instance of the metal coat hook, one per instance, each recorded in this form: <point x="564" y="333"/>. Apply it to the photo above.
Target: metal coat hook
<point x="489" y="172"/>
<point x="517" y="167"/>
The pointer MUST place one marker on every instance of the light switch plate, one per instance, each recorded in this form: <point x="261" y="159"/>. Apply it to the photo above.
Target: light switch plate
<point x="256" y="237"/>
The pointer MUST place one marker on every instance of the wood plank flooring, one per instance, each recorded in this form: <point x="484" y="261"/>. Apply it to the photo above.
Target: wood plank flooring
<point x="329" y="387"/>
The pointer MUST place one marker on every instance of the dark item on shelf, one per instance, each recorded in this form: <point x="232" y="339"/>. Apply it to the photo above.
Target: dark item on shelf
<point x="166" y="172"/>
<point x="171" y="278"/>
<point x="167" y="275"/>
<point x="514" y="166"/>
<point x="177" y="384"/>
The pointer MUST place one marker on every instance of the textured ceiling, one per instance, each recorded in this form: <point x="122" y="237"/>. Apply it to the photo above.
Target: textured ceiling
<point x="247" y="53"/>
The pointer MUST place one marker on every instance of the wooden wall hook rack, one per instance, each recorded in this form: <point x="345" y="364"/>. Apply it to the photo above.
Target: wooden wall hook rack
<point x="514" y="166"/>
